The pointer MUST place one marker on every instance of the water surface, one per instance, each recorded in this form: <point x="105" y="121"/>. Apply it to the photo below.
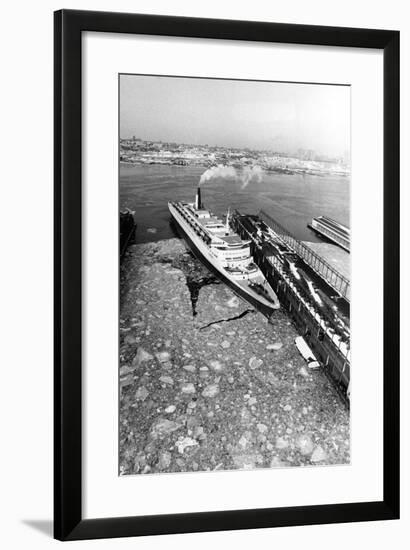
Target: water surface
<point x="291" y="199"/>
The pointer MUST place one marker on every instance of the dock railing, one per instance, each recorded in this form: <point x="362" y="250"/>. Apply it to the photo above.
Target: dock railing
<point x="335" y="279"/>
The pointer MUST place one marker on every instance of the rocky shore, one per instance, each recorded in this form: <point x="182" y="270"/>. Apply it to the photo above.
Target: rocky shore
<point x="206" y="383"/>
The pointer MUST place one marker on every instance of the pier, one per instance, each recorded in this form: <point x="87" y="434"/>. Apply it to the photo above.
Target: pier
<point x="335" y="279"/>
<point x="315" y="295"/>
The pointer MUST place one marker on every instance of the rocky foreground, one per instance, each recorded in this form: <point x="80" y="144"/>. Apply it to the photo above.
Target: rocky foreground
<point x="206" y="383"/>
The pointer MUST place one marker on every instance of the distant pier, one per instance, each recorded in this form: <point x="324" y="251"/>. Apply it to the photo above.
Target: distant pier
<point x="315" y="294"/>
<point x="332" y="231"/>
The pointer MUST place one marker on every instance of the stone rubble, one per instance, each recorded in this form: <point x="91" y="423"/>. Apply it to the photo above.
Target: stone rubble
<point x="206" y="383"/>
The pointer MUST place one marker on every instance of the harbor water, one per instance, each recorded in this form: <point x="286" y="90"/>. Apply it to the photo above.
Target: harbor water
<point x="292" y="199"/>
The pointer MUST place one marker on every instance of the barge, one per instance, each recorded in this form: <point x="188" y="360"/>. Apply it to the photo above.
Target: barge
<point x="332" y="230"/>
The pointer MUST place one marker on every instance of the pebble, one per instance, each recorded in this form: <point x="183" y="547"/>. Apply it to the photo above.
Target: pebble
<point x="216" y="365"/>
<point x="139" y="462"/>
<point x="164" y="460"/>
<point x="150" y="448"/>
<point x="141" y="356"/>
<point x="277" y="463"/>
<point x="129" y="339"/>
<point x="170" y="409"/>
<point x="233" y="302"/>
<point x="252" y="401"/>
<point x="225" y="344"/>
<point x="125" y="370"/>
<point x="162" y="427"/>
<point x="189" y="368"/>
<point x="126" y="381"/>
<point x="166" y="380"/>
<point x="287" y="408"/>
<point x="281" y="443"/>
<point x="318" y="455"/>
<point x="262" y="428"/>
<point x="305" y="444"/>
<point x="211" y="390"/>
<point x="182" y="443"/>
<point x="163" y="356"/>
<point x="188" y="387"/>
<point x="274" y="347"/>
<point x="254" y="362"/>
<point x="198" y="433"/>
<point x="247" y="461"/>
<point x="141" y="394"/>
<point x="272" y="379"/>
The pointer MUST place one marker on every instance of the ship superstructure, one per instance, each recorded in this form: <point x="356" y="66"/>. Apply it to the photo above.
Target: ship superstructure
<point x="223" y="251"/>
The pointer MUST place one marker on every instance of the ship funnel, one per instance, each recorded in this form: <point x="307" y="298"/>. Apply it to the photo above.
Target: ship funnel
<point x="198" y="201"/>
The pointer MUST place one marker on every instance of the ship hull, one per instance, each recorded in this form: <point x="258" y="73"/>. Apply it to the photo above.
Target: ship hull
<point x="267" y="310"/>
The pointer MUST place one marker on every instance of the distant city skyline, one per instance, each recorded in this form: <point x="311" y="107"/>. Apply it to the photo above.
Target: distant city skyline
<point x="281" y="117"/>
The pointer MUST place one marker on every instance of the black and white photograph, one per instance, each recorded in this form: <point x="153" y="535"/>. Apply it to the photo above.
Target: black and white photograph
<point x="234" y="274"/>
<point x="204" y="228"/>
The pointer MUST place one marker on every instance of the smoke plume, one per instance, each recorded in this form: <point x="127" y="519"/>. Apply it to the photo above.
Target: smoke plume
<point x="251" y="173"/>
<point x="220" y="171"/>
<point x="248" y="174"/>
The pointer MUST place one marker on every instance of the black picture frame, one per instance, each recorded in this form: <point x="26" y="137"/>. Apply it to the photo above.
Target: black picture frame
<point x="68" y="522"/>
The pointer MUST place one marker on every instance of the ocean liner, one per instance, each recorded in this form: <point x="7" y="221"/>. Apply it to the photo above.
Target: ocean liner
<point x="224" y="252"/>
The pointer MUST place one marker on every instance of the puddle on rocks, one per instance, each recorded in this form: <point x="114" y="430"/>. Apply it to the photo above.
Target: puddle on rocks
<point x="196" y="275"/>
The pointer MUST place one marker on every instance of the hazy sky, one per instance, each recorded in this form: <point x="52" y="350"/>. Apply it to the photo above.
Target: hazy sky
<point x="260" y="115"/>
